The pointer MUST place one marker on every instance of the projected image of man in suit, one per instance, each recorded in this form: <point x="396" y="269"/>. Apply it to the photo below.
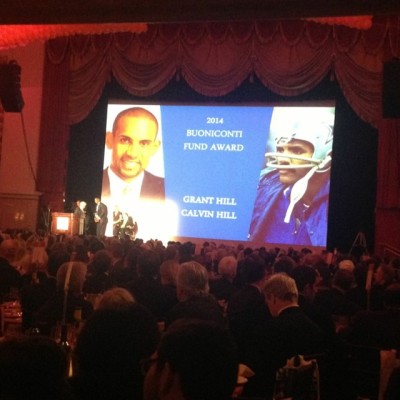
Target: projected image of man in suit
<point x="133" y="141"/>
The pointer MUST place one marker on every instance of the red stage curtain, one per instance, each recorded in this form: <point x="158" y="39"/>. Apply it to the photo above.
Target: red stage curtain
<point x="54" y="135"/>
<point x="290" y="58"/>
<point x="387" y="218"/>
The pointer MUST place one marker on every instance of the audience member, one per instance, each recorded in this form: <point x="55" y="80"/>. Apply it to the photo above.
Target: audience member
<point x="40" y="289"/>
<point x="306" y="279"/>
<point x="334" y="300"/>
<point x="284" y="264"/>
<point x="378" y="328"/>
<point x="172" y="252"/>
<point x="147" y="289"/>
<point x="117" y="251"/>
<point x="97" y="279"/>
<point x="168" y="273"/>
<point x="115" y="299"/>
<point x="193" y="295"/>
<point x="268" y="319"/>
<point x="94" y="246"/>
<point x="358" y="292"/>
<point x="246" y="309"/>
<point x="68" y="298"/>
<point x="288" y="334"/>
<point x="128" y="273"/>
<point x="347" y="265"/>
<point x="240" y="279"/>
<point x="33" y="295"/>
<point x="186" y="252"/>
<point x="80" y="252"/>
<point x="57" y="257"/>
<point x="33" y="368"/>
<point x="384" y="276"/>
<point x="9" y="276"/>
<point x="222" y="287"/>
<point x="22" y="256"/>
<point x="109" y="351"/>
<point x="195" y="360"/>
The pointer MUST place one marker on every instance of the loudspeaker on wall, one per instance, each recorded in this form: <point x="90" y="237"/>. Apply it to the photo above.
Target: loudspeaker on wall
<point x="391" y="89"/>
<point x="10" y="87"/>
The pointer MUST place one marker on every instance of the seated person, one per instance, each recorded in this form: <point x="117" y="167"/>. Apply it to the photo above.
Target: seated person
<point x="306" y="279"/>
<point x="380" y="328"/>
<point x="94" y="246"/>
<point x="334" y="300"/>
<point x="222" y="287"/>
<point x="358" y="293"/>
<point x="109" y="351"/>
<point x="288" y="334"/>
<point x="193" y="294"/>
<point x="39" y="285"/>
<point x="147" y="289"/>
<point x="67" y="299"/>
<point x="115" y="298"/>
<point x="128" y="228"/>
<point x="9" y="276"/>
<point x="283" y="264"/>
<point x="117" y="221"/>
<point x="168" y="272"/>
<point x="97" y="279"/>
<point x="195" y="360"/>
<point x="247" y="310"/>
<point x="33" y="368"/>
<point x="383" y="277"/>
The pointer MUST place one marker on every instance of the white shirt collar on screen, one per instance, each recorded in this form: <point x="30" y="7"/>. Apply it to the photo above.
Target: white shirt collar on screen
<point x="120" y="188"/>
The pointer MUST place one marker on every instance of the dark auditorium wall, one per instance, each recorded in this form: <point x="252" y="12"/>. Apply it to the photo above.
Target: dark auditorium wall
<point x="353" y="176"/>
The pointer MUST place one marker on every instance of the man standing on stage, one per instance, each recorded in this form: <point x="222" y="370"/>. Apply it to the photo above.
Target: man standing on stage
<point x="100" y="218"/>
<point x="80" y="212"/>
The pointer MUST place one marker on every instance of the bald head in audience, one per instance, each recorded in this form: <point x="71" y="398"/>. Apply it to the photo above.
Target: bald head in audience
<point x="227" y="267"/>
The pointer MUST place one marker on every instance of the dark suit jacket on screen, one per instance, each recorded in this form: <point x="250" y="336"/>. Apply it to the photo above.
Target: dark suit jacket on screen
<point x="152" y="186"/>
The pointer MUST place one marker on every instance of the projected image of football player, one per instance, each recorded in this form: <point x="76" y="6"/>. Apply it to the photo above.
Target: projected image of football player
<point x="133" y="141"/>
<point x="291" y="205"/>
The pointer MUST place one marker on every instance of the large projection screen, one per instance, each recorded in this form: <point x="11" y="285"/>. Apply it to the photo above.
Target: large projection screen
<point x="248" y="173"/>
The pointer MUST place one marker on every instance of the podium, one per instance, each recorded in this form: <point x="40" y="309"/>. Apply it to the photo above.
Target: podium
<point x="67" y="224"/>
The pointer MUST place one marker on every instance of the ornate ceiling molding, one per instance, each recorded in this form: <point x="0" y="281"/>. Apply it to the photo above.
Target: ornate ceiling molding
<point x="153" y="11"/>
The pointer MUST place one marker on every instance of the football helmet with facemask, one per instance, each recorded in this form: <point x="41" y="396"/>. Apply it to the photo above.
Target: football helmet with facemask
<point x="311" y="124"/>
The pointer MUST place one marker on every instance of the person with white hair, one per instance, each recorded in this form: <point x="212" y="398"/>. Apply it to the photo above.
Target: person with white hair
<point x="292" y="197"/>
<point x="288" y="334"/>
<point x="116" y="298"/>
<point x="222" y="287"/>
<point x="195" y="301"/>
<point x="80" y="213"/>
